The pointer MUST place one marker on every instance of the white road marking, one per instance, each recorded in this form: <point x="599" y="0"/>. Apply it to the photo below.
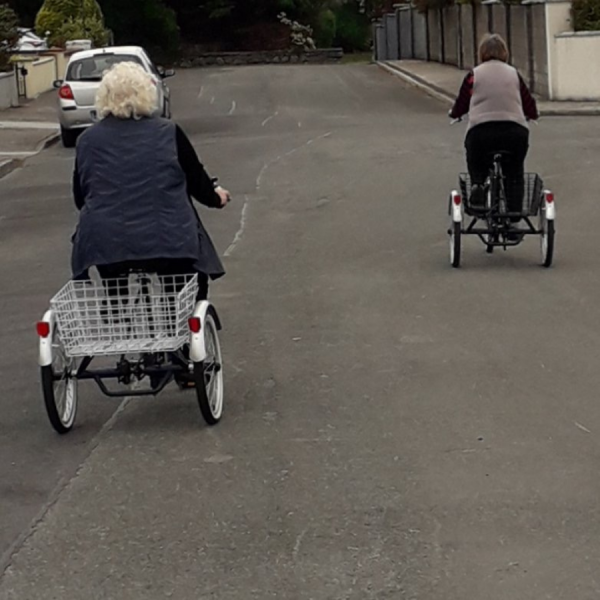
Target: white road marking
<point x="28" y="153"/>
<point x="240" y="232"/>
<point x="201" y="92"/>
<point x="243" y="219"/>
<point x="233" y="105"/>
<point x="282" y="156"/>
<point x="212" y="100"/>
<point x="28" y="125"/>
<point x="269" y="118"/>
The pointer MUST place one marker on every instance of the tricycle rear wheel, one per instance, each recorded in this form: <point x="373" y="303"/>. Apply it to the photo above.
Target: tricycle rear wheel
<point x="59" y="387"/>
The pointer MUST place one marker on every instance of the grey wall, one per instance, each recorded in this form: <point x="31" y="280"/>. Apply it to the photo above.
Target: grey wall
<point x="405" y="28"/>
<point x="468" y="37"/>
<point x="452" y="50"/>
<point x="499" y="19"/>
<point x="408" y="34"/>
<point x="420" y="35"/>
<point x="540" y="50"/>
<point x="391" y="29"/>
<point x="519" y="46"/>
<point x="435" y="35"/>
<point x="380" y="42"/>
<point x="8" y="90"/>
<point x="482" y="22"/>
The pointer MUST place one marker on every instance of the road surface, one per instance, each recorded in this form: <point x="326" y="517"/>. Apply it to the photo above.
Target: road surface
<point x="393" y="429"/>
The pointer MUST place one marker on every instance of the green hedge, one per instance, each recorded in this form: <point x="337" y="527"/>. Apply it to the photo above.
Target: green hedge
<point x="8" y="33"/>
<point x="353" y="30"/>
<point x="54" y="13"/>
<point x="586" y="15"/>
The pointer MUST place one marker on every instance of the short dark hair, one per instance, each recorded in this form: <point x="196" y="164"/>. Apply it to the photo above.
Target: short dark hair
<point x="493" y="47"/>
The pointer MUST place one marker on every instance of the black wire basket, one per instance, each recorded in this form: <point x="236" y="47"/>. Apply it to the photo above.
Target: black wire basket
<point x="530" y="196"/>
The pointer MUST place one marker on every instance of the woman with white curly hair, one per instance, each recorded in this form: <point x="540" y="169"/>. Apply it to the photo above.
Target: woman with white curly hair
<point x="135" y="175"/>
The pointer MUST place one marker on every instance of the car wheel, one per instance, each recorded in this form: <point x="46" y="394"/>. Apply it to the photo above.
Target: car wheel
<point x="69" y="137"/>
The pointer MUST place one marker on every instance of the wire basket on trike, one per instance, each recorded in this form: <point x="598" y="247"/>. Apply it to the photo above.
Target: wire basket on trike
<point x="151" y="326"/>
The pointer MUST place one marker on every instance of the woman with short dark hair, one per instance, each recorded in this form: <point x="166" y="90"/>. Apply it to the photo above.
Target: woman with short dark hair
<point x="499" y="105"/>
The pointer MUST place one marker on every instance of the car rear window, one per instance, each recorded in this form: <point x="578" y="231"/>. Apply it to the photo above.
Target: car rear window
<point x="93" y="68"/>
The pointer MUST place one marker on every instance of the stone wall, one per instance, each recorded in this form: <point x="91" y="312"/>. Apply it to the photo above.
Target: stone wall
<point x="330" y="55"/>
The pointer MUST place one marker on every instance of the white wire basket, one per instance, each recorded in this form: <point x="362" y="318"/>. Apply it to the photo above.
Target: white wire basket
<point x="140" y="314"/>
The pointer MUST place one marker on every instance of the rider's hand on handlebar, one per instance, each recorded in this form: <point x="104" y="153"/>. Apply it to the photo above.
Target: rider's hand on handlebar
<point x="224" y="196"/>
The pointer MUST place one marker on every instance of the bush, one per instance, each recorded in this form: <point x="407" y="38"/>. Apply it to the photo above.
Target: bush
<point x="325" y="29"/>
<point x="78" y="29"/>
<point x="353" y="31"/>
<point x="8" y="33"/>
<point x="147" y="23"/>
<point x="56" y="16"/>
<point x="586" y="15"/>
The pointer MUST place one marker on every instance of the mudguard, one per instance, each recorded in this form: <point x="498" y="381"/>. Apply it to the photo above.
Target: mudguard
<point x="197" y="343"/>
<point x="45" y="356"/>
<point x="456" y="207"/>
<point x="549" y="206"/>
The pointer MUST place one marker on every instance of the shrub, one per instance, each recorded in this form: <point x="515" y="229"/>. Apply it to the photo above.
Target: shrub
<point x="8" y="34"/>
<point x="55" y="15"/>
<point x="78" y="29"/>
<point x="586" y="15"/>
<point x="353" y="31"/>
<point x="325" y="29"/>
<point x="301" y="36"/>
<point x="148" y="23"/>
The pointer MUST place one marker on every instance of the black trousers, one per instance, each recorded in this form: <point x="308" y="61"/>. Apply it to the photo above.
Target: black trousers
<point x="160" y="266"/>
<point x="487" y="139"/>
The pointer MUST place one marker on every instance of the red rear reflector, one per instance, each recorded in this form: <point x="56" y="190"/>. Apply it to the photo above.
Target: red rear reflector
<point x="43" y="329"/>
<point x="457" y="200"/>
<point x="66" y="93"/>
<point x="195" y="324"/>
<point x="550" y="197"/>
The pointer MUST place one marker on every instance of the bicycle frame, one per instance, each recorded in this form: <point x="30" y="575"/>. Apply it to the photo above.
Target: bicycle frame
<point x="497" y="217"/>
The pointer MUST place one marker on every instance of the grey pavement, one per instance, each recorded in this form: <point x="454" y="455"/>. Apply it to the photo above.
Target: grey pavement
<point x="444" y="81"/>
<point x="393" y="428"/>
<point x="26" y="130"/>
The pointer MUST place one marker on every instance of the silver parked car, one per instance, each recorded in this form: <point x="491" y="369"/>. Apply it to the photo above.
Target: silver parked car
<point x="77" y="92"/>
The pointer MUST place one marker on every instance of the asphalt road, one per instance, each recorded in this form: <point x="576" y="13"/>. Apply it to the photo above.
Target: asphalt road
<point x="394" y="428"/>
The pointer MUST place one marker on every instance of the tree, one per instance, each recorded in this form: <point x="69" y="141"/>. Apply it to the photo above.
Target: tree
<point x="26" y="10"/>
<point x="8" y="33"/>
<point x="148" y="23"/>
<point x="57" y="17"/>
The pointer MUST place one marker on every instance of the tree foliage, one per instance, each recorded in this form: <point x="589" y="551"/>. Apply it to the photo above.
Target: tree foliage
<point x="59" y="19"/>
<point x="8" y="33"/>
<point x="586" y="15"/>
<point x="148" y="23"/>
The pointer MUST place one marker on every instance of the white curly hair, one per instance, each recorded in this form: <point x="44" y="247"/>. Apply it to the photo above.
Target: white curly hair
<point x="127" y="91"/>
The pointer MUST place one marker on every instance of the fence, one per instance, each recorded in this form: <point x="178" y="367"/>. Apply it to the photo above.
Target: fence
<point x="451" y="35"/>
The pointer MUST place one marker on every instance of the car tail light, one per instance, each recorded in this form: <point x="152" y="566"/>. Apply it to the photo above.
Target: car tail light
<point x="549" y="197"/>
<point x="195" y="324"/>
<point x="66" y="93"/>
<point x="457" y="199"/>
<point x="43" y="329"/>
